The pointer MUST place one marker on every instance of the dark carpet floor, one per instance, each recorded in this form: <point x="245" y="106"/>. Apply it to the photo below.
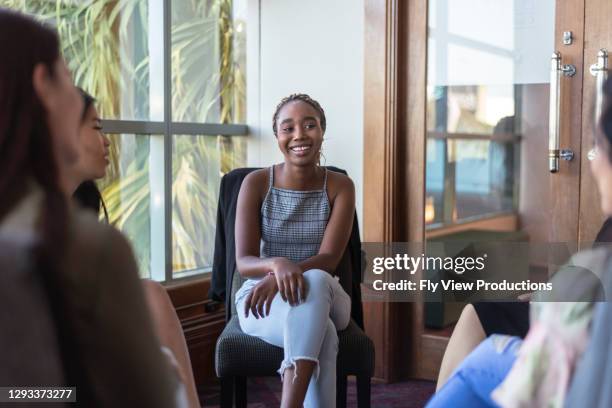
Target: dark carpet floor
<point x="266" y="392"/>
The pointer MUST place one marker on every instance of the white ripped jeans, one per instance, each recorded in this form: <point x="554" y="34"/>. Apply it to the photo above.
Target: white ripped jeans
<point x="307" y="331"/>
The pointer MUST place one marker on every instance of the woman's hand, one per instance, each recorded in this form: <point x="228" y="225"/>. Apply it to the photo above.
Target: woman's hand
<point x="261" y="296"/>
<point x="289" y="280"/>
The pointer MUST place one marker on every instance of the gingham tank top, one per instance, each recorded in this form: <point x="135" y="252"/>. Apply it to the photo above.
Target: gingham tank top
<point x="293" y="222"/>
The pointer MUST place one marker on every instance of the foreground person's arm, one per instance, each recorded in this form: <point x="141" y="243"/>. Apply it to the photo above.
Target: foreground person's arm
<point x="170" y="334"/>
<point x="118" y="343"/>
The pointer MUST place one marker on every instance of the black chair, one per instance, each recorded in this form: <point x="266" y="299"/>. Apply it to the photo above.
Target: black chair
<point x="238" y="355"/>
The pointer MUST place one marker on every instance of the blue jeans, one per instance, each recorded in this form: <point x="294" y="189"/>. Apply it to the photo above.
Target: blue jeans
<point x="307" y="331"/>
<point x="479" y="374"/>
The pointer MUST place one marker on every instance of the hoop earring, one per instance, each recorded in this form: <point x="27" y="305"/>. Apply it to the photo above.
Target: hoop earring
<point x="324" y="158"/>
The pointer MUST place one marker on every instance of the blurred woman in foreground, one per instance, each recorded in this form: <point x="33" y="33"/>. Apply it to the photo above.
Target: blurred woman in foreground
<point x="91" y="165"/>
<point x="105" y="337"/>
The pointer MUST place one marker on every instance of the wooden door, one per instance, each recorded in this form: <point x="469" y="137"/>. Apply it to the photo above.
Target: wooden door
<point x="493" y="105"/>
<point x="407" y="121"/>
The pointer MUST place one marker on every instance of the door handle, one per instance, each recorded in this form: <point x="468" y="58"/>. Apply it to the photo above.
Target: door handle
<point x="600" y="72"/>
<point x="554" y="153"/>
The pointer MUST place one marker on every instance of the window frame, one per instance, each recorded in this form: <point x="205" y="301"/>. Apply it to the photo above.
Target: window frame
<point x="167" y="129"/>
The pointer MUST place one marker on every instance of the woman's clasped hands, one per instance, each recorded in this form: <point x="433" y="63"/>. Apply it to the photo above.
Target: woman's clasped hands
<point x="284" y="277"/>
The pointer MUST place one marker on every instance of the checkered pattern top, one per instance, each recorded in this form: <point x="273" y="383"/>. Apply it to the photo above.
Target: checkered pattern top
<point x="293" y="222"/>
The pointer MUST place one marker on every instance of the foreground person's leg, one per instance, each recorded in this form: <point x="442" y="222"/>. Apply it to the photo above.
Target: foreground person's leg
<point x="483" y="370"/>
<point x="468" y="334"/>
<point x="170" y="333"/>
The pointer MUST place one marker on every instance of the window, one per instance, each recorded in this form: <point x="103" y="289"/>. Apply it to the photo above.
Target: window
<point x="169" y="79"/>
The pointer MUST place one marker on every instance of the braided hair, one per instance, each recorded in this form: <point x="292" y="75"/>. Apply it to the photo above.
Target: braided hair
<point x="298" y="97"/>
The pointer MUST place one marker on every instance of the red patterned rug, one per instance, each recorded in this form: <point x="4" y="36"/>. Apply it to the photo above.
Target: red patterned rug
<point x="265" y="392"/>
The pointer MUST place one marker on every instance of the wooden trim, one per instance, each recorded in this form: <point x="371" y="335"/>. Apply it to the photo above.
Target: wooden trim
<point x="498" y="223"/>
<point x="413" y="119"/>
<point x="433" y="347"/>
<point x="379" y="138"/>
<point x="188" y="292"/>
<point x="496" y="137"/>
<point x="379" y="143"/>
<point x="414" y="129"/>
<point x="394" y="185"/>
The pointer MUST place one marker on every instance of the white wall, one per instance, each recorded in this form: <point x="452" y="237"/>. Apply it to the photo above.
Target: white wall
<point x="313" y="47"/>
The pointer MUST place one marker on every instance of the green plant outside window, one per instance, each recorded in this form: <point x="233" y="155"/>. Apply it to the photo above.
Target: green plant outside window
<point x="115" y="51"/>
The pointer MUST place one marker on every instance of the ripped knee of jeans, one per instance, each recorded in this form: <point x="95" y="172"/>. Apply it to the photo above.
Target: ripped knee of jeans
<point x="291" y="363"/>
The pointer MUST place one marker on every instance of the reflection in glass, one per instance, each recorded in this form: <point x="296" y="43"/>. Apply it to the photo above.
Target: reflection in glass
<point x="487" y="90"/>
<point x="474" y="109"/>
<point x="434" y="183"/>
<point x="484" y="177"/>
<point x="198" y="163"/>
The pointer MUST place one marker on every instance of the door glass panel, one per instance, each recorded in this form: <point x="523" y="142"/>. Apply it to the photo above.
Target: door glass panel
<point x="487" y="114"/>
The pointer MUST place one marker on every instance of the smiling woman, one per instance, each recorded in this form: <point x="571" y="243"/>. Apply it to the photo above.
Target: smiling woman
<point x="62" y="255"/>
<point x="313" y="123"/>
<point x="293" y="222"/>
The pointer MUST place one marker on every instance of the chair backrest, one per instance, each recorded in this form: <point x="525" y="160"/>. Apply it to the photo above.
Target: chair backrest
<point x="227" y="281"/>
<point x="29" y="352"/>
<point x="237" y="281"/>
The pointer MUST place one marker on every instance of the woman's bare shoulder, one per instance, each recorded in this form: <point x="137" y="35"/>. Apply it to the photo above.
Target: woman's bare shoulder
<point x="259" y="176"/>
<point x="338" y="183"/>
<point x="257" y="181"/>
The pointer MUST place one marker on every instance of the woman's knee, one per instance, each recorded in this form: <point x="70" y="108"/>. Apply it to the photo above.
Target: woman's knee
<point x="469" y="312"/>
<point x="468" y="332"/>
<point x="153" y="289"/>
<point x="156" y="297"/>
<point x="469" y="320"/>
<point x="160" y="308"/>
<point x="317" y="278"/>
